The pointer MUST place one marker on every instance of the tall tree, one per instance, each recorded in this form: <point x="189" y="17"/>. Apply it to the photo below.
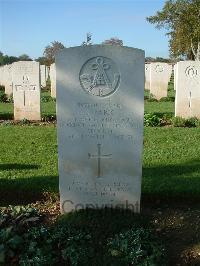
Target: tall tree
<point x="181" y="18"/>
<point x="51" y="50"/>
<point x="113" y="41"/>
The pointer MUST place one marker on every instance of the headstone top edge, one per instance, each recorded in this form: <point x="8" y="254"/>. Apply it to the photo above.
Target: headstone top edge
<point x="87" y="47"/>
<point x="27" y="62"/>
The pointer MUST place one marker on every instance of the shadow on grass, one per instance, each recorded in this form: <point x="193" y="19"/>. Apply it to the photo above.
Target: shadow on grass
<point x="15" y="166"/>
<point x="6" y="116"/>
<point x="162" y="114"/>
<point x="180" y="182"/>
<point x="172" y="182"/>
<point x="26" y="190"/>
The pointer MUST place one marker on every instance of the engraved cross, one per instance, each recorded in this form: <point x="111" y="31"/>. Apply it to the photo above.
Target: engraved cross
<point x="99" y="156"/>
<point x="190" y="100"/>
<point x="25" y="87"/>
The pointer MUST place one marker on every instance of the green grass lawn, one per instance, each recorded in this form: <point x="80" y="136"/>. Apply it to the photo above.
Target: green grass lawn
<point x="7" y="109"/>
<point x="28" y="162"/>
<point x="49" y="108"/>
<point x="160" y="107"/>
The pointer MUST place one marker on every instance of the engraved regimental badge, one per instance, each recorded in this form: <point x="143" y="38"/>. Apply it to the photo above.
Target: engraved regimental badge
<point x="99" y="76"/>
<point x="159" y="68"/>
<point x="191" y="72"/>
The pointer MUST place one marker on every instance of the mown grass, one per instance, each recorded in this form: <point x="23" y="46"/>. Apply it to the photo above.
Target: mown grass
<point x="49" y="108"/>
<point x="28" y="163"/>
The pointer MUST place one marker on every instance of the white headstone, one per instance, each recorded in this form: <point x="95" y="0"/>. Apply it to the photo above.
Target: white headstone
<point x="100" y="108"/>
<point x="43" y="75"/>
<point x="52" y="74"/>
<point x="47" y="72"/>
<point x="26" y="90"/>
<point x="147" y="76"/>
<point x="7" y="79"/>
<point x="160" y="74"/>
<point x="175" y="76"/>
<point x="187" y="102"/>
<point x="1" y="75"/>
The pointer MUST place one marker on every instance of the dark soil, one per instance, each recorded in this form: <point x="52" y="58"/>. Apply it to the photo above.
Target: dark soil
<point x="177" y="225"/>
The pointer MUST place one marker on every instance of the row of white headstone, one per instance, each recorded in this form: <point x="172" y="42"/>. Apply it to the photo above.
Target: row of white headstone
<point x="24" y="79"/>
<point x="186" y="85"/>
<point x="6" y="75"/>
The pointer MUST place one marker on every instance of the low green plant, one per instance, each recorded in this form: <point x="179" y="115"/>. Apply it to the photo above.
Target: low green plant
<point x="152" y="120"/>
<point x="46" y="98"/>
<point x="48" y="118"/>
<point x="2" y="88"/>
<point x="24" y="121"/>
<point x="178" y="121"/>
<point x="191" y="122"/>
<point x="7" y="123"/>
<point x="136" y="246"/>
<point x="3" y="97"/>
<point x="152" y="98"/>
<point x="182" y="122"/>
<point x="167" y="99"/>
<point x="197" y="123"/>
<point x="14" y="223"/>
<point x="85" y="237"/>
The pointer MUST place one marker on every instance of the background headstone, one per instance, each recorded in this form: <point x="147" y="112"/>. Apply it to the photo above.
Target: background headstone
<point x="52" y="74"/>
<point x="187" y="102"/>
<point x="160" y="74"/>
<point x="7" y="79"/>
<point x="26" y="90"/>
<point x="147" y="76"/>
<point x="100" y="108"/>
<point x="47" y="72"/>
<point x="43" y="75"/>
<point x="1" y="76"/>
<point x="175" y="76"/>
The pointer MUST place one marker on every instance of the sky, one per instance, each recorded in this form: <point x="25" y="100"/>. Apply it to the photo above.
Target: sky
<point x="28" y="26"/>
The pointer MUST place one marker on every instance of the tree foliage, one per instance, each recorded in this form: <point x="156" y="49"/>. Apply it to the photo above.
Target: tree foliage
<point x="113" y="41"/>
<point x="159" y="59"/>
<point x="42" y="60"/>
<point x="51" y="50"/>
<point x="181" y="19"/>
<point x="5" y="59"/>
<point x="24" y="57"/>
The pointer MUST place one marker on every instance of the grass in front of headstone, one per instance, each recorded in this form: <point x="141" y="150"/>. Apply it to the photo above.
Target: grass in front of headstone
<point x="28" y="167"/>
<point x="164" y="107"/>
<point x="171" y="164"/>
<point x="48" y="108"/>
<point x="171" y="167"/>
<point x="29" y="163"/>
